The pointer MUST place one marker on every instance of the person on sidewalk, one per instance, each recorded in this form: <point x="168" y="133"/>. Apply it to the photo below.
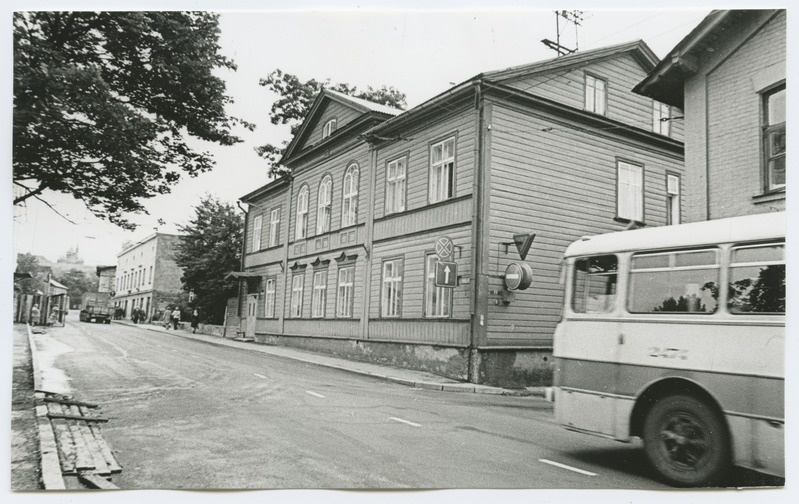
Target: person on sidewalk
<point x="175" y="318"/>
<point x="195" y="321"/>
<point x="35" y="315"/>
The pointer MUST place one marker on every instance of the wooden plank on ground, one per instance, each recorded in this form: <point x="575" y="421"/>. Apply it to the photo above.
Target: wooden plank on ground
<point x="83" y="459"/>
<point x="108" y="455"/>
<point x="97" y="482"/>
<point x="78" y="417"/>
<point x="66" y="446"/>
<point x="64" y="400"/>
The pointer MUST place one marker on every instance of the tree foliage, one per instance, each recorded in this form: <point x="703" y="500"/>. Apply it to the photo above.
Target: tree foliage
<point x="105" y="101"/>
<point x="209" y="248"/>
<point x="296" y="97"/>
<point x="27" y="263"/>
<point x="77" y="283"/>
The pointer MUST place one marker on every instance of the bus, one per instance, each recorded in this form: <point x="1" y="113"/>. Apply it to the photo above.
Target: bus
<point x="675" y="336"/>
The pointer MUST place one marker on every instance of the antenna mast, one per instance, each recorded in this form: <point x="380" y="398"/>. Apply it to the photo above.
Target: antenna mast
<point x="572" y="16"/>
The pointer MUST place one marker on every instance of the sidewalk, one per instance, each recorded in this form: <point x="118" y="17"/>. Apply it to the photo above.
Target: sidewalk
<point x="407" y="377"/>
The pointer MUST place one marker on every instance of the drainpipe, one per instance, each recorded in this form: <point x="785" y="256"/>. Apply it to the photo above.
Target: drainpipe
<point x="243" y="249"/>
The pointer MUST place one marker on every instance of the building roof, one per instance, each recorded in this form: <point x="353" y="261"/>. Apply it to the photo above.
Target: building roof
<point x="265" y="189"/>
<point x="638" y="49"/>
<point x="765" y="226"/>
<point x="665" y="82"/>
<point x="364" y="105"/>
<point x="370" y="111"/>
<point x="145" y="240"/>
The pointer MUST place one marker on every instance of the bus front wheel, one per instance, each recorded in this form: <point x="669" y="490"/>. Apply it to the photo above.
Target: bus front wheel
<point x="686" y="442"/>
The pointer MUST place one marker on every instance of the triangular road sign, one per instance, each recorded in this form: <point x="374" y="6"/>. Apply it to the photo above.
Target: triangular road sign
<point x="523" y="242"/>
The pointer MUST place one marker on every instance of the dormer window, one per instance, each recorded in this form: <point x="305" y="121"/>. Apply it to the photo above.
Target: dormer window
<point x="330" y="127"/>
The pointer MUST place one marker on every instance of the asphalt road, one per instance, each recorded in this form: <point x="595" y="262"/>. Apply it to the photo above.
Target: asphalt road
<point x="187" y="414"/>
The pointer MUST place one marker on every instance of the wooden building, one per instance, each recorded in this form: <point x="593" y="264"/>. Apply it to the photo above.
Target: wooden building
<point x="729" y="75"/>
<point x="341" y="256"/>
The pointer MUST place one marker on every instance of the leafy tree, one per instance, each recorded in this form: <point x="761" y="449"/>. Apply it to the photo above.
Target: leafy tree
<point x="209" y="248"/>
<point x="27" y="263"/>
<point x="104" y="103"/>
<point x="296" y="97"/>
<point x="77" y="283"/>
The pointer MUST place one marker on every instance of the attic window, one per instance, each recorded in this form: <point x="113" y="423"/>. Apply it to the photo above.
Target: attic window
<point x="595" y="94"/>
<point x="330" y="127"/>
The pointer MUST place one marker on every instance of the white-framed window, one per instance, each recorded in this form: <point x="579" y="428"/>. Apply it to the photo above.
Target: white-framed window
<point x="349" y="206"/>
<point x="324" y="205"/>
<point x="774" y="138"/>
<point x="344" y="295"/>
<point x="269" y="297"/>
<point x="391" y="302"/>
<point x="672" y="199"/>
<point x="319" y="294"/>
<point x="437" y="300"/>
<point x="257" y="222"/>
<point x="328" y="128"/>
<point x="274" y="227"/>
<point x="297" y="286"/>
<point x="630" y="189"/>
<point x="661" y="118"/>
<point x="301" y="229"/>
<point x="596" y="90"/>
<point x="395" y="185"/>
<point x="442" y="170"/>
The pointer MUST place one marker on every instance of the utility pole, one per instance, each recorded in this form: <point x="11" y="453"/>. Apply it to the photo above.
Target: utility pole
<point x="572" y="16"/>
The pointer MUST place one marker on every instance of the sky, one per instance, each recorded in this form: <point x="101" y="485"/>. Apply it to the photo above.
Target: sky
<point x="420" y="52"/>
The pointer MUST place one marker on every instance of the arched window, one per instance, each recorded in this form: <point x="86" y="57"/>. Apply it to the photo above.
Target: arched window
<point x="329" y="128"/>
<point x="301" y="229"/>
<point x="349" y="207"/>
<point x="324" y="205"/>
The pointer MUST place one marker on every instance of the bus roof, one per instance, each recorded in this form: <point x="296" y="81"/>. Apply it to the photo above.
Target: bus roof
<point x="765" y="226"/>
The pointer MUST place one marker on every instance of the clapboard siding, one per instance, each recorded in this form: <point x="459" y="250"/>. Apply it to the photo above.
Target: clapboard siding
<point x="332" y="283"/>
<point x="413" y="251"/>
<point x="622" y="74"/>
<point x="273" y="254"/>
<point x="272" y="270"/>
<point x="331" y="328"/>
<point x="440" y="215"/>
<point x="560" y="184"/>
<point x="455" y="333"/>
<point x="335" y="165"/>
<point x="263" y="206"/>
<point x="333" y="110"/>
<point x="417" y="148"/>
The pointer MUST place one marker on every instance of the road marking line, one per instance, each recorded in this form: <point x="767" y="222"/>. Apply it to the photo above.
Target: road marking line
<point x="260" y="376"/>
<point x="404" y="421"/>
<point x="569" y="468"/>
<point x="314" y="394"/>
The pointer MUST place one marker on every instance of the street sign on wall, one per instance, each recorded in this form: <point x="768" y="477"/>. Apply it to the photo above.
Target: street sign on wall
<point x="444" y="248"/>
<point x="446" y="274"/>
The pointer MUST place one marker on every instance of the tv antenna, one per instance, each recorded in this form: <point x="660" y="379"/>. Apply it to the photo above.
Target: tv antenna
<point x="570" y="16"/>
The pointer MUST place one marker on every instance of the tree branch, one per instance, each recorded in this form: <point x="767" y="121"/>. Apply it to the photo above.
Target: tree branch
<point x="54" y="210"/>
<point x="31" y="192"/>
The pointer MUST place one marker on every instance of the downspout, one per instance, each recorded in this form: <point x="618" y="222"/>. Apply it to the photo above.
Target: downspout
<point x="478" y="315"/>
<point x="243" y="250"/>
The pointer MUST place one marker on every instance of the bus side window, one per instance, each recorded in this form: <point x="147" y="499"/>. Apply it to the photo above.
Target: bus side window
<point x="757" y="279"/>
<point x="674" y="282"/>
<point x="595" y="284"/>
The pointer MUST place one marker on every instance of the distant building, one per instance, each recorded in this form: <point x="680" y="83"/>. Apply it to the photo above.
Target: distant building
<point x="107" y="275"/>
<point x="147" y="276"/>
<point x="729" y="76"/>
<point x="344" y="255"/>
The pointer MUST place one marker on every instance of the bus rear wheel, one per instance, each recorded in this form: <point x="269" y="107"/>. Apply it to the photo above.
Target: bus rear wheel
<point x="686" y="442"/>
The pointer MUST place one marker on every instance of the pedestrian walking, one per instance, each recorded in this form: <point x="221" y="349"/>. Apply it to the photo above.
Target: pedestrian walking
<point x="35" y="314"/>
<point x="195" y="320"/>
<point x="134" y="315"/>
<point x="175" y="317"/>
